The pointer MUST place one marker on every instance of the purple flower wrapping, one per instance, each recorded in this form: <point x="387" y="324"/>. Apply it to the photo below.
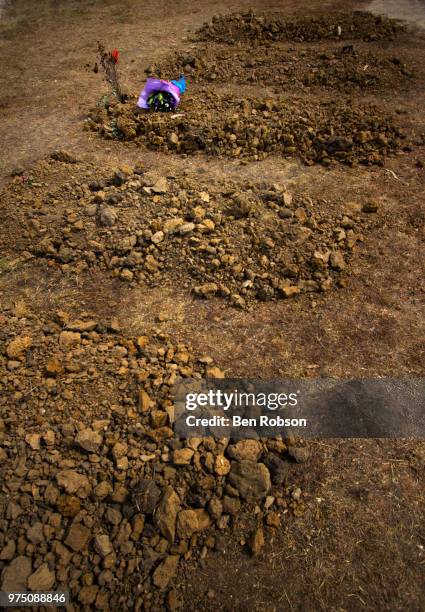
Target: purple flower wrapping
<point x="155" y="85"/>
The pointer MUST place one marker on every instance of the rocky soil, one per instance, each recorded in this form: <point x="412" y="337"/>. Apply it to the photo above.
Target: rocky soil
<point x="289" y="121"/>
<point x="98" y="491"/>
<point x="348" y="68"/>
<point x="240" y="241"/>
<point x="260" y="28"/>
<point x="252" y="128"/>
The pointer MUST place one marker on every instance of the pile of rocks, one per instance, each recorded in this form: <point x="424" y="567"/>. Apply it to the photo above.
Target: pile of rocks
<point x="261" y="28"/>
<point x="343" y="68"/>
<point x="98" y="496"/>
<point x="238" y="240"/>
<point x="254" y="128"/>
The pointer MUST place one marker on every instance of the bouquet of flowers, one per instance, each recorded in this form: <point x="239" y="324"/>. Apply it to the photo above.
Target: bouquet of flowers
<point x="161" y="95"/>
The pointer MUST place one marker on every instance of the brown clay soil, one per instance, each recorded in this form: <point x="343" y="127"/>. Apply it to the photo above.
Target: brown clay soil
<point x="359" y="541"/>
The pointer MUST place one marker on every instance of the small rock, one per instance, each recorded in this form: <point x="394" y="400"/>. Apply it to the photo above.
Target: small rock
<point x="113" y="516"/>
<point x="172" y="600"/>
<point x="191" y="521"/>
<point x="231" y="505"/>
<point x="287" y="199"/>
<point x="285" y="213"/>
<point x="126" y="275"/>
<point x="35" y="533"/>
<point x="42" y="579"/>
<point x="204" y="196"/>
<point x="102" y="545"/>
<point x="64" y="157"/>
<point x="158" y="418"/>
<point x="119" y="450"/>
<point x="215" y="373"/>
<point x="277" y="467"/>
<point x="165" y="571"/>
<point x="68" y="505"/>
<point x="370" y="207"/>
<point x="296" y="494"/>
<point x="107" y="216"/>
<point x="207" y="290"/>
<point x="237" y="300"/>
<point x="73" y="482"/>
<point x="245" y="450"/>
<point x="138" y="523"/>
<point x="337" y="260"/>
<point x="16" y="574"/>
<point x="171" y="225"/>
<point x="78" y="537"/>
<point x="161" y="185"/>
<point x="288" y="291"/>
<point x="82" y="326"/>
<point x="33" y="440"/>
<point x="215" y="508"/>
<point x="102" y="490"/>
<point x="221" y="465"/>
<point x="256" y="541"/>
<point x="186" y="228"/>
<point x="182" y="456"/>
<point x="166" y="514"/>
<point x="251" y="479"/>
<point x="208" y="224"/>
<point x="8" y="552"/>
<point x="18" y="347"/>
<point x="157" y="237"/>
<point x="89" y="440"/>
<point x="145" y="401"/>
<point x="49" y="437"/>
<point x="119" y="178"/>
<point x="173" y="139"/>
<point x="300" y="454"/>
<point x="13" y="511"/>
<point x="269" y="501"/>
<point x="301" y="215"/>
<point x="273" y="519"/>
<point x="67" y="339"/>
<point x="87" y="594"/>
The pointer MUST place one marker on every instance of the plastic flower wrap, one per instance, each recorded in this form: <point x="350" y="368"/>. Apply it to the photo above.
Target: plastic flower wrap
<point x="161" y="95"/>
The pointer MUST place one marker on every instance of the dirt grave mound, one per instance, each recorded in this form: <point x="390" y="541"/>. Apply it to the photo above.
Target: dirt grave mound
<point x="242" y="241"/>
<point x="100" y="497"/>
<point x="345" y="68"/>
<point x="245" y="127"/>
<point x="261" y="28"/>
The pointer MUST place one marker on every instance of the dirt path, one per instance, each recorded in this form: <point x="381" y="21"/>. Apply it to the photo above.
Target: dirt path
<point x="360" y="543"/>
<point x="412" y="11"/>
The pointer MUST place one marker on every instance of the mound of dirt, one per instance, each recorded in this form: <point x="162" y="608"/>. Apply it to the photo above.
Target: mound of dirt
<point x="262" y="28"/>
<point x="99" y="497"/>
<point x="253" y="128"/>
<point x="345" y="68"/>
<point x="241" y="241"/>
